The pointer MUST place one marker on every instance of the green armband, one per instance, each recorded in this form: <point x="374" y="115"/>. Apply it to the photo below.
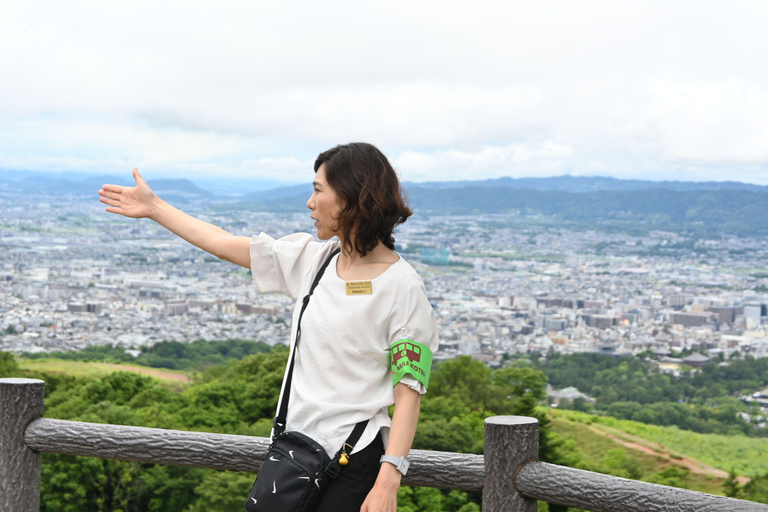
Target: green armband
<point x="410" y="358"/>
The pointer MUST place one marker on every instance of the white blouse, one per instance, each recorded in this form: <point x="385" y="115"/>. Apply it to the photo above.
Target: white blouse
<point x="342" y="371"/>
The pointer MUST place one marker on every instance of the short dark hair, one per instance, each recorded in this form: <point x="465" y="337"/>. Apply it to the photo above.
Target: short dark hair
<point x="374" y="202"/>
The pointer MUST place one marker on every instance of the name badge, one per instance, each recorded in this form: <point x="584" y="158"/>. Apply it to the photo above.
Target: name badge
<point x="359" y="288"/>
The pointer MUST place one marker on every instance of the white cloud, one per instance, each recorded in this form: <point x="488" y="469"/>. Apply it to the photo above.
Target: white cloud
<point x="288" y="169"/>
<point x="100" y="137"/>
<point x="515" y="159"/>
<point x="701" y="122"/>
<point x="653" y="89"/>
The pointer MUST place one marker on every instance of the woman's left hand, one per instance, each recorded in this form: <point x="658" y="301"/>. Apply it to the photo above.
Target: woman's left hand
<point x="383" y="496"/>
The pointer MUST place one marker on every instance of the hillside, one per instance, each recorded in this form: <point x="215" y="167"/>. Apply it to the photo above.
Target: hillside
<point x="707" y="454"/>
<point x="98" y="369"/>
<point x="706" y="212"/>
<point x="745" y="455"/>
<point x="568" y="183"/>
<point x="706" y="208"/>
<point x="239" y="397"/>
<point x="615" y="452"/>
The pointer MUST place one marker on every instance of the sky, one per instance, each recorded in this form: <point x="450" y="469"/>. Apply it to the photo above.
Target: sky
<point x="656" y="90"/>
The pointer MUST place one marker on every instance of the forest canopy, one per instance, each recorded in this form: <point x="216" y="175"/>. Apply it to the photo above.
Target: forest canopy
<point x="236" y="384"/>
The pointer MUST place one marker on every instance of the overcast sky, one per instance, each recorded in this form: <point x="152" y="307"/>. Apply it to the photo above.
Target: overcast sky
<point x="448" y="90"/>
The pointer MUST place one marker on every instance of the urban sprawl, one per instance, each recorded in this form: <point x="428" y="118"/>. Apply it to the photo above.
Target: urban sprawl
<point x="72" y="275"/>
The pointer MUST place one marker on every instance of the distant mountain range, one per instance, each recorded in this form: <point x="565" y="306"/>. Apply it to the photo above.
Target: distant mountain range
<point x="569" y="183"/>
<point x="90" y="185"/>
<point x="627" y="205"/>
<point x="705" y="206"/>
<point x="257" y="189"/>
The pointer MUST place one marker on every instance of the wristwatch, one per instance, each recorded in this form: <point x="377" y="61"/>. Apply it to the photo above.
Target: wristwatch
<point x="401" y="463"/>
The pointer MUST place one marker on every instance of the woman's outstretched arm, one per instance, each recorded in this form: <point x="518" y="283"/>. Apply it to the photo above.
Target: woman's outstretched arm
<point x="140" y="202"/>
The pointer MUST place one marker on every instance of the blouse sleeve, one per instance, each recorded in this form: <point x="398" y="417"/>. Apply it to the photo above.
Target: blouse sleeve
<point x="413" y="318"/>
<point x="280" y="265"/>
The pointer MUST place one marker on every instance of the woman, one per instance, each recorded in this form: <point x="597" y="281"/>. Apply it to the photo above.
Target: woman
<point x="368" y="300"/>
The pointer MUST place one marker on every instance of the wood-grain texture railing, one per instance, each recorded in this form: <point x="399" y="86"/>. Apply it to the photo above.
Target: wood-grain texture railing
<point x="510" y="477"/>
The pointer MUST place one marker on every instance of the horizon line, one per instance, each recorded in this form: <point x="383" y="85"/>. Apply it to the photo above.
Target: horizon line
<point x="287" y="183"/>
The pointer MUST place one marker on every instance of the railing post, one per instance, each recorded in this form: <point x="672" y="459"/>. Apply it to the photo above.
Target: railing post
<point x="21" y="401"/>
<point x="510" y="441"/>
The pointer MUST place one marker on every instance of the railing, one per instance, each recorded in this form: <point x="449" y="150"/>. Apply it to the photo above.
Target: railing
<point x="509" y="475"/>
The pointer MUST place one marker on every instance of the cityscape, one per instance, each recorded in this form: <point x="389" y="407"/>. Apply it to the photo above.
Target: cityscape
<point x="73" y="275"/>
<point x="588" y="191"/>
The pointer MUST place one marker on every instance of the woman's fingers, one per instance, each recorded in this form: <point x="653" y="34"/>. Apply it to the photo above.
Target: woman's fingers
<point x="112" y="188"/>
<point x="110" y="202"/>
<point x="109" y="194"/>
<point x="133" y="202"/>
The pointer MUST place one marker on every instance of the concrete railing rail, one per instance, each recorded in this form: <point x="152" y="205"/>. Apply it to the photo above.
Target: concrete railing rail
<point x="510" y="477"/>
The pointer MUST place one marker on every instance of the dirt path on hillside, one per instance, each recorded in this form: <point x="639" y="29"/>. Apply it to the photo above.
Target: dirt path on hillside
<point x="154" y="372"/>
<point x="695" y="466"/>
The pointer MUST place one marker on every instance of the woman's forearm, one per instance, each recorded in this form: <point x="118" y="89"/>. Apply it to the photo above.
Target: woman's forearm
<point x="404" y="421"/>
<point x="383" y="496"/>
<point x="139" y="202"/>
<point x="204" y="235"/>
<point x="401" y="433"/>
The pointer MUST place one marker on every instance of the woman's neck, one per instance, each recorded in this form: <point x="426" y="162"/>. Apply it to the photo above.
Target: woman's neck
<point x="353" y="266"/>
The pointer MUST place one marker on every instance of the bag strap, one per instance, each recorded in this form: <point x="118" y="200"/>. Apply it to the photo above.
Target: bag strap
<point x="280" y="420"/>
<point x="334" y="467"/>
<point x="279" y="424"/>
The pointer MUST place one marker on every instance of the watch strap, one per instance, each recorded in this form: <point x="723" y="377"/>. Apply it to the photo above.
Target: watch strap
<point x="401" y="463"/>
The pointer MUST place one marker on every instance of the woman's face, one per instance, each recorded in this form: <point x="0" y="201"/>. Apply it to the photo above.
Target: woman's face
<point x="325" y="206"/>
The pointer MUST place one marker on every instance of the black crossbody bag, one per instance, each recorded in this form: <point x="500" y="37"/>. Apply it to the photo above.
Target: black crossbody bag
<point x="297" y="468"/>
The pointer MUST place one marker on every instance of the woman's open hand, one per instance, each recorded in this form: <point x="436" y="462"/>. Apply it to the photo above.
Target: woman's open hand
<point x="383" y="495"/>
<point x="133" y="202"/>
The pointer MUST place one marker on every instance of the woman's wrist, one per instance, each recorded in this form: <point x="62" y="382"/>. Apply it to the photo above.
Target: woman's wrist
<point x="155" y="208"/>
<point x="389" y="476"/>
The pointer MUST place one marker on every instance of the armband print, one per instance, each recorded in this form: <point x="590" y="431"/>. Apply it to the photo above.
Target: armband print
<point x="410" y="358"/>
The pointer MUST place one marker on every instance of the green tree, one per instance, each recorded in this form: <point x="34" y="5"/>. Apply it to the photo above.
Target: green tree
<point x="674" y="476"/>
<point x="74" y="484"/>
<point x="464" y="378"/>
<point x="731" y="487"/>
<point x="617" y="463"/>
<point x="240" y="396"/>
<point x="580" y="404"/>
<point x="8" y="365"/>
<point x="222" y="491"/>
<point x="463" y="392"/>
<point x="756" y="489"/>
<point x="704" y="400"/>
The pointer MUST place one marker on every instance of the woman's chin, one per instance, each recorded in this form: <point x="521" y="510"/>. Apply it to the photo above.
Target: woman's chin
<point x="325" y="236"/>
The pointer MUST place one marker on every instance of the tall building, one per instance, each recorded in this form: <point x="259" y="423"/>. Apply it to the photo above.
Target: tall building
<point x="677" y="302"/>
<point x="726" y="314"/>
<point x="599" y="321"/>
<point x="692" y="319"/>
<point x="76" y="307"/>
<point x="175" y="306"/>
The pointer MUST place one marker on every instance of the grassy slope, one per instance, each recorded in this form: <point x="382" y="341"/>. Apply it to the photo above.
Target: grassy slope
<point x="97" y="370"/>
<point x="595" y="450"/>
<point x="748" y="456"/>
